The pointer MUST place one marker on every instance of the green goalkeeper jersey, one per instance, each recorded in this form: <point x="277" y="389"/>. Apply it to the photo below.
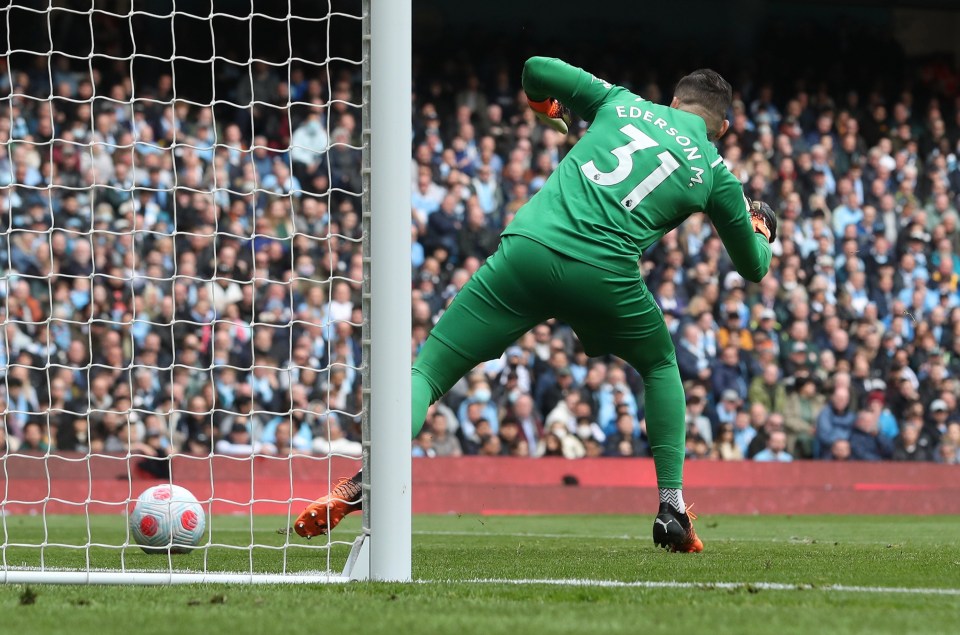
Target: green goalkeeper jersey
<point x="639" y="171"/>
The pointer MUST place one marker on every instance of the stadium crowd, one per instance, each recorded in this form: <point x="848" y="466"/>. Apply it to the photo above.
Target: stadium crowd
<point x="185" y="278"/>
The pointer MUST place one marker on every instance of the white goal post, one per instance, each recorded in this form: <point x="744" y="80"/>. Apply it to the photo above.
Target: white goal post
<point x="204" y="281"/>
<point x="390" y="317"/>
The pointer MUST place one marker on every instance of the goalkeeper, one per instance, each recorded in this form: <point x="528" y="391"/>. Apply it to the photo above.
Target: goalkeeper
<point x="572" y="253"/>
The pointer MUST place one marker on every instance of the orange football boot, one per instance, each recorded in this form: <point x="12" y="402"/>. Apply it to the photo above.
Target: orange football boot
<point x="325" y="513"/>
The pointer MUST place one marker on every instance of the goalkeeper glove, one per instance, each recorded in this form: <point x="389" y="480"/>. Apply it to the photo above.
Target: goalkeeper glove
<point x="763" y="219"/>
<point x="552" y="113"/>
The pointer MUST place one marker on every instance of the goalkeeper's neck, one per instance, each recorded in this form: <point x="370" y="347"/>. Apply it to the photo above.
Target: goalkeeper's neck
<point x="716" y="126"/>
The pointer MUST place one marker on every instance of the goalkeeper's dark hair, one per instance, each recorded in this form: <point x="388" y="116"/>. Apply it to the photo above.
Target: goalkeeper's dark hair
<point x="708" y="94"/>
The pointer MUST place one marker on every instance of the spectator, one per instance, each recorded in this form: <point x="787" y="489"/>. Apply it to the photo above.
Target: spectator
<point x="478" y="404"/>
<point x="331" y="440"/>
<point x="512" y="441"/>
<point x="550" y="445"/>
<point x="442" y="442"/>
<point x="74" y="437"/>
<point x="725" y="447"/>
<point x="22" y="401"/>
<point x="515" y="369"/>
<point x="866" y="442"/>
<point x="308" y="144"/>
<point x="154" y="449"/>
<point x="625" y="441"/>
<point x="8" y="445"/>
<point x="557" y="393"/>
<point x="696" y="447"/>
<point x="530" y="421"/>
<point x="907" y="447"/>
<point x="948" y="453"/>
<point x="728" y="407"/>
<point x="691" y="356"/>
<point x="840" y="450"/>
<point x="281" y="181"/>
<point x="280" y="438"/>
<point x="472" y="442"/>
<point x="615" y="395"/>
<point x="476" y="239"/>
<point x="949" y="449"/>
<point x="565" y="412"/>
<point x="443" y="228"/>
<point x="590" y="391"/>
<point x="199" y="445"/>
<point x="586" y="428"/>
<point x="800" y="413"/>
<point x="886" y="423"/>
<point x="33" y="441"/>
<point x="939" y="420"/>
<point x="835" y="421"/>
<point x="423" y="445"/>
<point x="427" y="195"/>
<point x="733" y="333"/>
<point x="490" y="446"/>
<point x="344" y="158"/>
<point x="729" y="373"/>
<point x="743" y="432"/>
<point x="767" y="389"/>
<point x="775" y="449"/>
<point x="489" y="196"/>
<point x="570" y="444"/>
<point x="238" y="441"/>
<point x="697" y="422"/>
<point x="765" y="424"/>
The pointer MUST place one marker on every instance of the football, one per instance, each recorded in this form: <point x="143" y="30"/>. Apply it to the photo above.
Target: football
<point x="167" y="519"/>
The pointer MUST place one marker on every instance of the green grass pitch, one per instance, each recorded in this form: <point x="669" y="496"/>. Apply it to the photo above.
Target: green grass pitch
<point x="762" y="574"/>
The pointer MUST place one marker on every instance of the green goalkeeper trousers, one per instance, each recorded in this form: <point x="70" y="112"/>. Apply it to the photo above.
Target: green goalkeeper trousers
<point x="525" y="283"/>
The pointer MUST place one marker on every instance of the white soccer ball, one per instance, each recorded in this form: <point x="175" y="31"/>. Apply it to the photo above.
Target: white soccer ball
<point x="167" y="518"/>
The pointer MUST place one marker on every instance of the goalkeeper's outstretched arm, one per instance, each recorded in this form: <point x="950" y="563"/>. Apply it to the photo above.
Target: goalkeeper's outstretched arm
<point x="547" y="78"/>
<point x="749" y="248"/>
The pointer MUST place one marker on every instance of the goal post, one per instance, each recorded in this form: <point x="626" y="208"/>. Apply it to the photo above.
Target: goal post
<point x="390" y="88"/>
<point x="204" y="230"/>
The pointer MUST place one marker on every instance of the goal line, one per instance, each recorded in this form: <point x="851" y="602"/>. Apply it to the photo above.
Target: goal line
<point x="14" y="576"/>
<point x="159" y="578"/>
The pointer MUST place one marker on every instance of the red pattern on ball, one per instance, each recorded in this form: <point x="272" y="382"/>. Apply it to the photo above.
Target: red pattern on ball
<point x="149" y="526"/>
<point x="162" y="493"/>
<point x="189" y="520"/>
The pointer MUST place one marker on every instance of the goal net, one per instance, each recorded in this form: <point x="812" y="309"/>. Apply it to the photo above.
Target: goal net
<point x="184" y="283"/>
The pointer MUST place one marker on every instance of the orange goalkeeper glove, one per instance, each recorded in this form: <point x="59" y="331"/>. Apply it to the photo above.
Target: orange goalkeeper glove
<point x="552" y="113"/>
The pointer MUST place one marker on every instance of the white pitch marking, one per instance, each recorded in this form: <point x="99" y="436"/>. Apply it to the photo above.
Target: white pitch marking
<point x="519" y="534"/>
<point x="764" y="586"/>
<point x="492" y="534"/>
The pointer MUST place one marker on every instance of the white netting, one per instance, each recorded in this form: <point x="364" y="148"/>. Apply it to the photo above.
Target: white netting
<point x="180" y="248"/>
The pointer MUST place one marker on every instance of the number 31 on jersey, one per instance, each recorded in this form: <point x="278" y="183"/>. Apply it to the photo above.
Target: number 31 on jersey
<point x="624" y="154"/>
